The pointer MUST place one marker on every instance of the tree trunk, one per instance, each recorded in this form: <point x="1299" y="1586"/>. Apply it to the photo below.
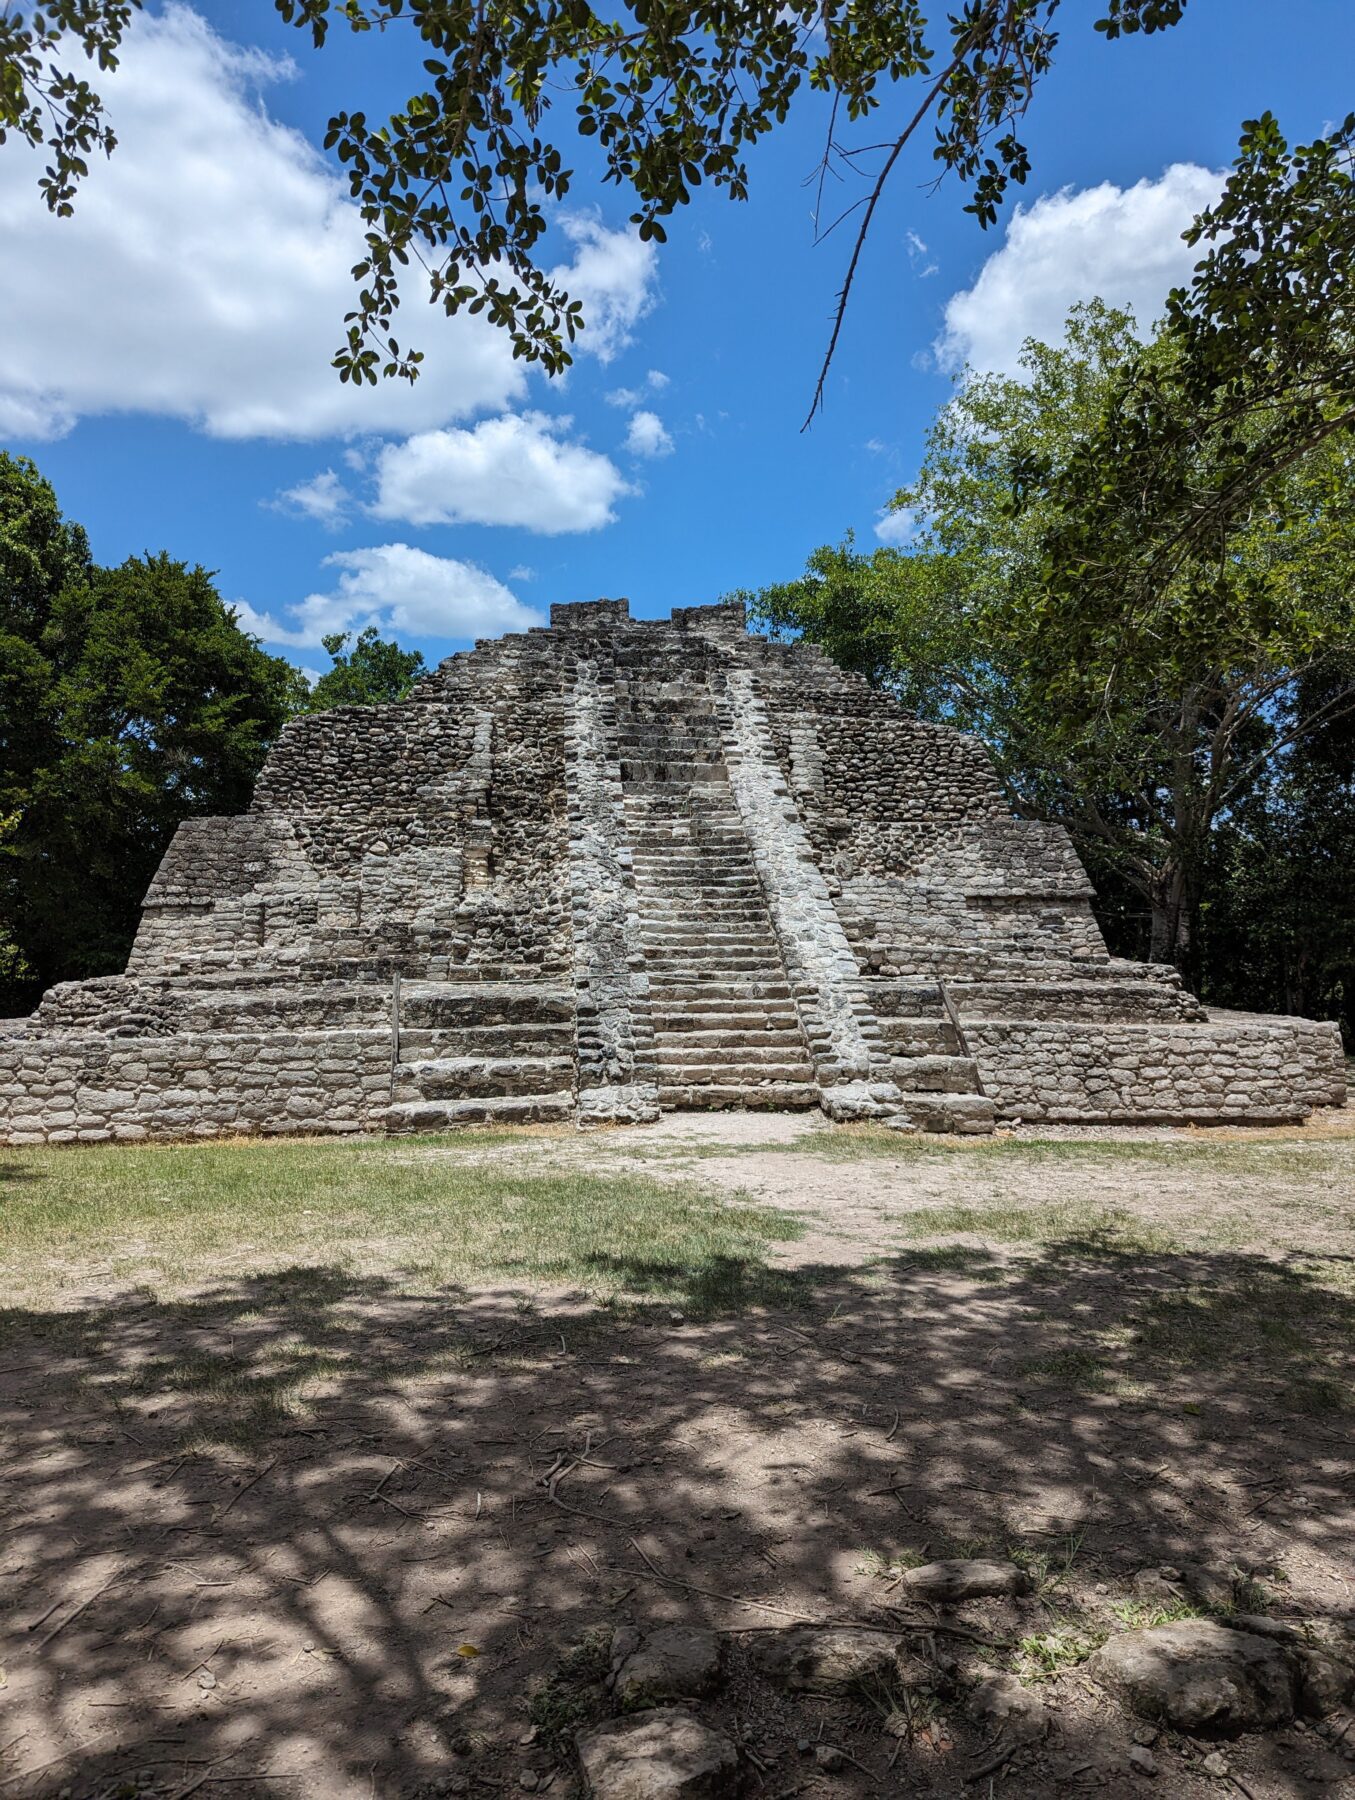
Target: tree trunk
<point x="1173" y="908"/>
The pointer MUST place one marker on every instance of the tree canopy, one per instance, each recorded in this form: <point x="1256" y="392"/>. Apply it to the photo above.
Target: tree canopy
<point x="129" y="700"/>
<point x="1203" y="712"/>
<point x="368" y="670"/>
<point x="668" y="94"/>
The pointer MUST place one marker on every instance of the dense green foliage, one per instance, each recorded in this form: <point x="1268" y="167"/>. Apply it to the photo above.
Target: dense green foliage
<point x="1194" y="750"/>
<point x="668" y="93"/>
<point x="129" y="700"/>
<point x="1252" y="374"/>
<point x="367" y="671"/>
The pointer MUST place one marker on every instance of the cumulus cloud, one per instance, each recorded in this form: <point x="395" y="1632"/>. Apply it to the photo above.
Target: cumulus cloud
<point x="896" y="527"/>
<point x="611" y="273"/>
<point x="647" y="436"/>
<point x="323" y="498"/>
<point x="205" y="274"/>
<point x="515" y="470"/>
<point x="397" y="588"/>
<point x="1123" y="244"/>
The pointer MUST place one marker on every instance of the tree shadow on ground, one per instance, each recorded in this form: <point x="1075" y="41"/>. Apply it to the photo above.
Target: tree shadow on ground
<point x="314" y="1533"/>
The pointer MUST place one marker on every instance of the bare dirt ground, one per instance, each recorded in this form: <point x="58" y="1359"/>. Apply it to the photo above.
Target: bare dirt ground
<point x="1117" y="1358"/>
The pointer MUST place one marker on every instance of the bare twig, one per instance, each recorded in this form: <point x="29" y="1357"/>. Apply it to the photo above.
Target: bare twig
<point x="252" y="1482"/>
<point x="72" y="1617"/>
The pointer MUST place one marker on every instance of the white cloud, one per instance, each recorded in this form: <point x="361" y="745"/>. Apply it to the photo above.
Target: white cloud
<point x="323" y="498"/>
<point x="612" y="274"/>
<point x="897" y="528"/>
<point x="630" y="397"/>
<point x="647" y="436"/>
<point x="522" y="572"/>
<point x="397" y="588"/>
<point x="506" y="471"/>
<point x="917" y="250"/>
<point x="205" y="274"/>
<point x="1121" y="244"/>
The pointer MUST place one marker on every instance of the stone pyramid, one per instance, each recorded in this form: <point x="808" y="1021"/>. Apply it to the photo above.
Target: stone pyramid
<point x="613" y="867"/>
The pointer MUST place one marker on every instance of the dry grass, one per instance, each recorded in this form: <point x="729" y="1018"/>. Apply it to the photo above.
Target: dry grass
<point x="480" y="1208"/>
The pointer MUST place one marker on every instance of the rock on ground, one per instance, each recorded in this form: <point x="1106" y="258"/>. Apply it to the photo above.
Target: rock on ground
<point x="1002" y="1702"/>
<point x="677" y="1662"/>
<point x="1195" y="1673"/>
<point x="827" y="1659"/>
<point x="959" y="1579"/>
<point x="666" y="1754"/>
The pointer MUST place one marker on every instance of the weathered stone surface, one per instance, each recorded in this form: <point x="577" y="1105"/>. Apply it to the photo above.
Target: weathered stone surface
<point x="1325" y="1681"/>
<point x="615" y="866"/>
<point x="1196" y="1674"/>
<point x="826" y="1659"/>
<point x="963" y="1579"/>
<point x="667" y="1754"/>
<point x="1009" y="1708"/>
<point x="1210" y="1587"/>
<point x="677" y="1662"/>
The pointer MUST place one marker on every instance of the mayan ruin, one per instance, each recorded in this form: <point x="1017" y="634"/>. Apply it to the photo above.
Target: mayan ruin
<point x="615" y="867"/>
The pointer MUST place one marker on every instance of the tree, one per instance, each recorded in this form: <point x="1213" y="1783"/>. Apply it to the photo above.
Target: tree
<point x="1278" y="922"/>
<point x="129" y="700"/>
<point x="372" y="672"/>
<point x="670" y="92"/>
<point x="967" y="626"/>
<point x="1189" y="446"/>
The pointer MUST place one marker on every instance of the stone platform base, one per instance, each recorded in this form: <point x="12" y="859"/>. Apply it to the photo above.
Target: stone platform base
<point x="1232" y="1069"/>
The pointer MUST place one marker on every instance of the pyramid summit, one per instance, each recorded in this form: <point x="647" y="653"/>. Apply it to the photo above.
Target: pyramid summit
<point x="612" y="867"/>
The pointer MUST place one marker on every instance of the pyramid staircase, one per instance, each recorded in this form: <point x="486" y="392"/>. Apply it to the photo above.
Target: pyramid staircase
<point x="727" y="1032"/>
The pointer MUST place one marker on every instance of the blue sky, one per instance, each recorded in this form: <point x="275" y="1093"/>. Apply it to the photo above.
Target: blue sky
<point x="164" y="356"/>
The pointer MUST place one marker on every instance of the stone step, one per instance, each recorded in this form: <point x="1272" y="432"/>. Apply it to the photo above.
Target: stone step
<point x="674" y="1053"/>
<point x="505" y="1109"/>
<point x="714" y="994"/>
<point x="971" y="1115"/>
<point x="919" y="1037"/>
<point x="744" y="1027"/>
<point x="936" y="1074"/>
<point x="480" y="1041"/>
<point x="483" y="1005"/>
<point x="776" y="1095"/>
<point x="476" y="1077"/>
<point x="715" y="931"/>
<point x="670" y="866"/>
<point x="676" y="966"/>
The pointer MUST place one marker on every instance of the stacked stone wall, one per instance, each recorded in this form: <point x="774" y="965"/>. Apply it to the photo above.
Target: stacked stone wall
<point x="78" y="1088"/>
<point x="1232" y="1069"/>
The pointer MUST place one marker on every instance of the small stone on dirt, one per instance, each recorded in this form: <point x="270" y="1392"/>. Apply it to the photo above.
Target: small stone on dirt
<point x="961" y="1579"/>
<point x="666" y="1754"/>
<point x="1207" y="1587"/>
<point x="826" y="1659"/>
<point x="1215" y="1764"/>
<point x="1003" y="1702"/>
<point x="1194" y="1673"/>
<point x="1324" y="1682"/>
<point x="677" y="1662"/>
<point x="828" y="1756"/>
<point x="1141" y="1760"/>
<point x="1153" y="1585"/>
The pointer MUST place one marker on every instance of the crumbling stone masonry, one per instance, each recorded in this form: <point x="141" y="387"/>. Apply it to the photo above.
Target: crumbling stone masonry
<point x="613" y="867"/>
